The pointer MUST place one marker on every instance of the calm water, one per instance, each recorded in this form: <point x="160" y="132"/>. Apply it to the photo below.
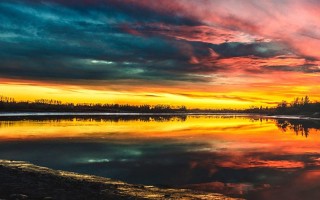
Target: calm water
<point x="240" y="156"/>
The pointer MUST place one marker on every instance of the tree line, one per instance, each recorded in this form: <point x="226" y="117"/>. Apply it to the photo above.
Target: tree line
<point x="49" y="105"/>
<point x="299" y="106"/>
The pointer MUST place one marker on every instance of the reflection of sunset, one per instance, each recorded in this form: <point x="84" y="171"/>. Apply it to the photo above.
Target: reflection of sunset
<point x="255" y="150"/>
<point x="238" y="134"/>
<point x="195" y="126"/>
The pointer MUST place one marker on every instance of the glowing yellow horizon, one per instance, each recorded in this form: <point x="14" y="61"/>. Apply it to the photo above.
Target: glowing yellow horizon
<point x="217" y="97"/>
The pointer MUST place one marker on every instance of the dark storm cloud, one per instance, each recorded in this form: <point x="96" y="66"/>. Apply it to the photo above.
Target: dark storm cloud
<point x="100" y="40"/>
<point x="259" y="49"/>
<point x="45" y="41"/>
<point x="308" y="68"/>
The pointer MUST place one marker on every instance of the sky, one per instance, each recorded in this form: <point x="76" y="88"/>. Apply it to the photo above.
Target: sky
<point x="198" y="53"/>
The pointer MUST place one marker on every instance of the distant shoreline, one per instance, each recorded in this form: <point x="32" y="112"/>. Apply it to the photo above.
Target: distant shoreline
<point x="43" y="113"/>
<point x="136" y="114"/>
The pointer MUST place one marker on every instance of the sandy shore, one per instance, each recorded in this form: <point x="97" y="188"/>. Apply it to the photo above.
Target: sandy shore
<point x="22" y="180"/>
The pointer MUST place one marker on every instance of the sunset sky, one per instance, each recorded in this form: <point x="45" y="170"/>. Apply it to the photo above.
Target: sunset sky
<point x="198" y="53"/>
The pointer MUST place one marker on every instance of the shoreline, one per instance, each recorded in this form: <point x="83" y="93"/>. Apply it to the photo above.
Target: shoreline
<point x="23" y="180"/>
<point x="136" y="114"/>
<point x="44" y="113"/>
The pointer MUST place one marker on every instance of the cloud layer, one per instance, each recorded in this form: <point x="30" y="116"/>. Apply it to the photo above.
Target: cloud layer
<point x="158" y="42"/>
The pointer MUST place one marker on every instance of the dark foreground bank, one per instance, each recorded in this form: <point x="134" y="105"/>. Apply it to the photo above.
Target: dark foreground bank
<point x="21" y="180"/>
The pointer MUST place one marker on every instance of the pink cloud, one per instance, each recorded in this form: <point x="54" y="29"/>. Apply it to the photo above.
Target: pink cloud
<point x="295" y="23"/>
<point x="207" y="34"/>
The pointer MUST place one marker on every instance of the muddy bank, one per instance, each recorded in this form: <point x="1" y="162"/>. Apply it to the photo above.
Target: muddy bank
<point x="22" y="180"/>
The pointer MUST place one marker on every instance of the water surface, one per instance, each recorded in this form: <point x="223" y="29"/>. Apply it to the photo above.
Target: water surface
<point x="242" y="156"/>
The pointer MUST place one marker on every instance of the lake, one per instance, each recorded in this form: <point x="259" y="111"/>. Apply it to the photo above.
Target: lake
<point x="241" y="156"/>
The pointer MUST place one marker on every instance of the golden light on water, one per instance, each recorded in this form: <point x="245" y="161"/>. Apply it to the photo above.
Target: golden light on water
<point x="220" y="132"/>
<point x="173" y="146"/>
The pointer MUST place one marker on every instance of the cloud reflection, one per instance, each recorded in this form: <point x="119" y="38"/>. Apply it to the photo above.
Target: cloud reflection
<point x="238" y="156"/>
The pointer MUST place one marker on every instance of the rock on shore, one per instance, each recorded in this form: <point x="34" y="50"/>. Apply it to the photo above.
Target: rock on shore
<point x="22" y="180"/>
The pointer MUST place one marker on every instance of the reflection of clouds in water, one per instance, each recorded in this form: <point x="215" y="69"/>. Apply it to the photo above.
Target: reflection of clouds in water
<point x="301" y="185"/>
<point x="247" y="157"/>
<point x="104" y="160"/>
<point x="226" y="188"/>
<point x="168" y="163"/>
<point x="257" y="163"/>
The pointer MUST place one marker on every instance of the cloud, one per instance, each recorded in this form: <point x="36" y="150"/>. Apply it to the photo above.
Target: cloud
<point x="308" y="68"/>
<point x="108" y="40"/>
